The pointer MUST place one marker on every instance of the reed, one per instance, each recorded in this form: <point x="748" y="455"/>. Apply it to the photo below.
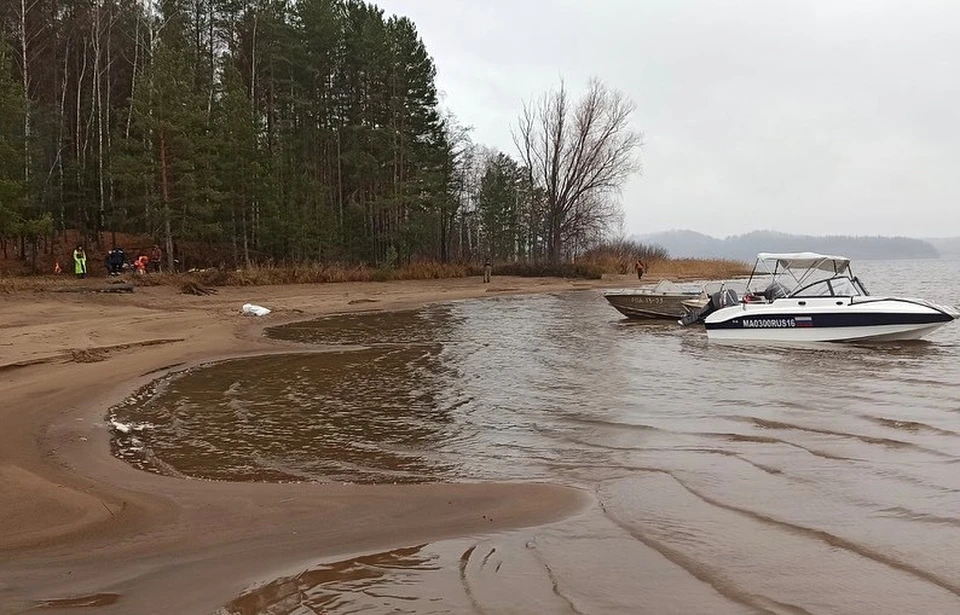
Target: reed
<point x="697" y="269"/>
<point x="580" y="269"/>
<point x="620" y="256"/>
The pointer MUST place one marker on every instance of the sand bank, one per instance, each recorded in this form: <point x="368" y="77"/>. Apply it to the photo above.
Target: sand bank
<point x="76" y="523"/>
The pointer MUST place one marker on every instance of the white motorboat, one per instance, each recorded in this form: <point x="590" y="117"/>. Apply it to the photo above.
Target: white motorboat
<point x="809" y="297"/>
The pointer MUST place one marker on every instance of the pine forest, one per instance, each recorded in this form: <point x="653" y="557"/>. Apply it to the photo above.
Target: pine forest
<point x="242" y="132"/>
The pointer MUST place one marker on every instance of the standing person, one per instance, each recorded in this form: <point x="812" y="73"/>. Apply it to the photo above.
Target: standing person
<point x="641" y="268"/>
<point x="80" y="262"/>
<point x="115" y="261"/>
<point x="156" y="256"/>
<point x="487" y="270"/>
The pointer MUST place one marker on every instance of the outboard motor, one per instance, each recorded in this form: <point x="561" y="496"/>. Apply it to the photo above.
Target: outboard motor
<point x="775" y="291"/>
<point x="721" y="299"/>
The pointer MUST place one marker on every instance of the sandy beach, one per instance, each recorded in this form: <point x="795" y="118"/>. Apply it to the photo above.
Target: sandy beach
<point x="80" y="527"/>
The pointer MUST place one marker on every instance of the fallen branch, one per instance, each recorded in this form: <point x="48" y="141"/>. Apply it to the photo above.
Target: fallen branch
<point x="192" y="288"/>
<point x="111" y="288"/>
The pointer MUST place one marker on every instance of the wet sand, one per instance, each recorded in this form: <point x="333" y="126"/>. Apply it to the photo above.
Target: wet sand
<point x="79" y="527"/>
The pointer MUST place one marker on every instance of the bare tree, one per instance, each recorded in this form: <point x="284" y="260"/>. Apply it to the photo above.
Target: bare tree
<point x="578" y="157"/>
<point x="26" y="39"/>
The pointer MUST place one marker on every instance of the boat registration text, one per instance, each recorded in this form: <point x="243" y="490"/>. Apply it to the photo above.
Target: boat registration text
<point x="768" y="323"/>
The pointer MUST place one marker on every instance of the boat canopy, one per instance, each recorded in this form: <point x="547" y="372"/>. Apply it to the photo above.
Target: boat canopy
<point x="806" y="260"/>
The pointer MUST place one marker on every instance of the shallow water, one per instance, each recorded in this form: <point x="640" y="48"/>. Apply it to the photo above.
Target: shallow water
<point x="728" y="478"/>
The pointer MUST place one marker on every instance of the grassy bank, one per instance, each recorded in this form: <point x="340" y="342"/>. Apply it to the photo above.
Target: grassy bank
<point x="678" y="269"/>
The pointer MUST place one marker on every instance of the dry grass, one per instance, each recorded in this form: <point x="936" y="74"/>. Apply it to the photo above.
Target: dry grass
<point x="620" y="256"/>
<point x="10" y="284"/>
<point x="581" y="270"/>
<point x="697" y="269"/>
<point x="324" y="274"/>
<point x="258" y="276"/>
<point x="679" y="269"/>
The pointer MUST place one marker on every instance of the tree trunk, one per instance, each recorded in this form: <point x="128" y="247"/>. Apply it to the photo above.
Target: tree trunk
<point x="26" y="91"/>
<point x="246" y="244"/>
<point x="111" y="188"/>
<point x="443" y="236"/>
<point x="253" y="66"/>
<point x="556" y="245"/>
<point x="61" y="118"/>
<point x="133" y="75"/>
<point x="233" y="237"/>
<point x="340" y="189"/>
<point x="97" y="101"/>
<point x="164" y="187"/>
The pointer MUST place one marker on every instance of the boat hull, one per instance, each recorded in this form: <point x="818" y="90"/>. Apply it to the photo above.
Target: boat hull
<point x="828" y="320"/>
<point x="649" y="306"/>
<point x="879" y="333"/>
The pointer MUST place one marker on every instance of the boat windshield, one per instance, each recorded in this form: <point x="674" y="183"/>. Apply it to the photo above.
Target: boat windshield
<point x="839" y="286"/>
<point x="803" y="274"/>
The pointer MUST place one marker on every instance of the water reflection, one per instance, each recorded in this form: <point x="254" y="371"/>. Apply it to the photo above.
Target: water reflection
<point x="366" y="416"/>
<point x="380" y="578"/>
<point x="430" y="324"/>
<point x="730" y="478"/>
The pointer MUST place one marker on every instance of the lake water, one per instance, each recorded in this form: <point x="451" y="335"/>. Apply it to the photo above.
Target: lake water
<point x="728" y="479"/>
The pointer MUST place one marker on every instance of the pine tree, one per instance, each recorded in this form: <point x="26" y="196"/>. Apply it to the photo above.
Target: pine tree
<point x="499" y="205"/>
<point x="259" y="129"/>
<point x="12" y="188"/>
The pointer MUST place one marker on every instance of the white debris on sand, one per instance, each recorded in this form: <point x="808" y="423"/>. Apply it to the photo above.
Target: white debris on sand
<point x="250" y="309"/>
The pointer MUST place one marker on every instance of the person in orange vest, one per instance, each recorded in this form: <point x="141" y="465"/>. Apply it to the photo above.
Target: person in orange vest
<point x="141" y="264"/>
<point x="56" y="268"/>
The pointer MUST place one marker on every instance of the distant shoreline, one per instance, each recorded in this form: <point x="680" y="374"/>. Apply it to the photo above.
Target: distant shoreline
<point x="746" y="246"/>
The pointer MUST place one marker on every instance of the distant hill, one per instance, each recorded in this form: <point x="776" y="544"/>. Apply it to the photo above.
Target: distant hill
<point x="683" y="243"/>
<point x="946" y="246"/>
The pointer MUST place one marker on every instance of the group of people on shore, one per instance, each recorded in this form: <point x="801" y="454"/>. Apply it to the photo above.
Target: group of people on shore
<point x="116" y="262"/>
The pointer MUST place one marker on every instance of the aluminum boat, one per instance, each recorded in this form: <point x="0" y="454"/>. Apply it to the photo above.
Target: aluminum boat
<point x="664" y="300"/>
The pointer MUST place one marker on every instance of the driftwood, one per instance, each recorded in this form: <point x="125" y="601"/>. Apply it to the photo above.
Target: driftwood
<point x="192" y="288"/>
<point x="109" y="288"/>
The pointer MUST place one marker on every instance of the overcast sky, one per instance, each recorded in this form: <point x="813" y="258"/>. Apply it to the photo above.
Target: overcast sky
<point x="820" y="117"/>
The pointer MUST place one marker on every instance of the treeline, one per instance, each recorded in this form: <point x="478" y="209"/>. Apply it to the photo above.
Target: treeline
<point x="268" y="130"/>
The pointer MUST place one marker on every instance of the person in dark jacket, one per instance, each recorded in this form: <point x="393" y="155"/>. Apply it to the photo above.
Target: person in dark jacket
<point x="115" y="260"/>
